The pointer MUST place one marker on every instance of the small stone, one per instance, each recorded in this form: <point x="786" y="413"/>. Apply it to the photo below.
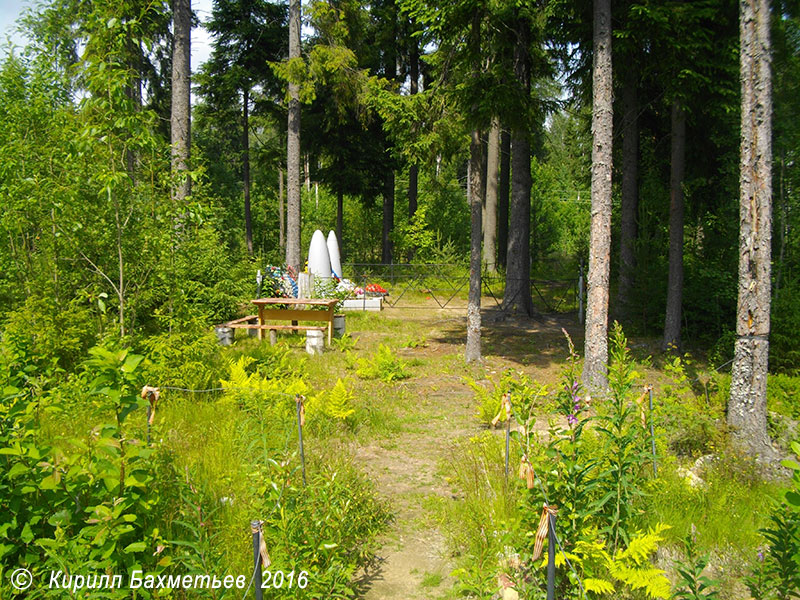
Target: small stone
<point x="510" y="594"/>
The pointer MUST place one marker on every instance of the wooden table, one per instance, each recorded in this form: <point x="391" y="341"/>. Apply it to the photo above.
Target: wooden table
<point x="287" y="309"/>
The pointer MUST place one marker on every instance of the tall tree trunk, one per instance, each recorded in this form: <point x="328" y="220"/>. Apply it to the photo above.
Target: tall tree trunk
<point x="133" y="90"/>
<point x="180" y="117"/>
<point x="340" y="218"/>
<point x="390" y="72"/>
<point x="473" y="349"/>
<point x="388" y="218"/>
<point x="596" y="338"/>
<point x="472" y="352"/>
<point x="747" y="407"/>
<point x="503" y="187"/>
<point x="248" y="224"/>
<point x="490" y="221"/>
<point x="517" y="297"/>
<point x="413" y="169"/>
<point x="293" y="148"/>
<point x="630" y="193"/>
<point x="281" y="216"/>
<point x="672" y="323"/>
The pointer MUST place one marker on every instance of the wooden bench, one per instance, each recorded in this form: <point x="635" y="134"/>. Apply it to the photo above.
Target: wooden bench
<point x="269" y="309"/>
<point x="250" y="322"/>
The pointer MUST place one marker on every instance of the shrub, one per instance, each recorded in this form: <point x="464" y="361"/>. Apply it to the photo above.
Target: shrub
<point x="524" y="393"/>
<point x="384" y="365"/>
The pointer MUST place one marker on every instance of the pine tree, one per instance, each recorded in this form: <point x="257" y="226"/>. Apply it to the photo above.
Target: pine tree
<point x="180" y="121"/>
<point x="596" y="342"/>
<point x="747" y="406"/>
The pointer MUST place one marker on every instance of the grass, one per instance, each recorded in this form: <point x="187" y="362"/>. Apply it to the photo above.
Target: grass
<point x="727" y="509"/>
<point x="215" y="443"/>
<point x="431" y="580"/>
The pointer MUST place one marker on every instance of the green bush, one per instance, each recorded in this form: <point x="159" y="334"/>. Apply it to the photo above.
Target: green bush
<point x="383" y="365"/>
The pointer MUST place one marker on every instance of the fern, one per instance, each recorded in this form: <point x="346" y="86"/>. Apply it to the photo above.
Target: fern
<point x="598" y="586"/>
<point x="271" y="397"/>
<point x="630" y="567"/>
<point x="338" y="401"/>
<point x="384" y="365"/>
<point x="642" y="547"/>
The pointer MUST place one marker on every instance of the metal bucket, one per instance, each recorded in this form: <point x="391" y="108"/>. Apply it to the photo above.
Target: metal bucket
<point x="224" y="335"/>
<point x="338" y="325"/>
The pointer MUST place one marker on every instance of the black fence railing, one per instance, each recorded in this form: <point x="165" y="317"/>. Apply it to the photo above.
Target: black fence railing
<point x="445" y="286"/>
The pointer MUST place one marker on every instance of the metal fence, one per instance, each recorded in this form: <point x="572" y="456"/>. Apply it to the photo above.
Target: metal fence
<point x="445" y="286"/>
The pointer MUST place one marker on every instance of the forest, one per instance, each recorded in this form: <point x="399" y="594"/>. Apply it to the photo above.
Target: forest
<point x="578" y="218"/>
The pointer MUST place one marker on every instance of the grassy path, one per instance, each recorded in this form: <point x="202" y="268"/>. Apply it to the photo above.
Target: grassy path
<point x="413" y="561"/>
<point x="436" y="408"/>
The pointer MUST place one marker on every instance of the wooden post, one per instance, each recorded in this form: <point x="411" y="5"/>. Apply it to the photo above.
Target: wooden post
<point x="551" y="557"/>
<point x="508" y="437"/>
<point x="299" y="401"/>
<point x="255" y="527"/>
<point x="653" y="435"/>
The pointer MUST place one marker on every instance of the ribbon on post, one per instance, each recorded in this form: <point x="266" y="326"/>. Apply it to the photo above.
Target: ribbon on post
<point x="301" y="408"/>
<point x="543" y="529"/>
<point x="640" y="404"/>
<point x="152" y="394"/>
<point x="526" y="471"/>
<point x="255" y="528"/>
<point x="504" y="406"/>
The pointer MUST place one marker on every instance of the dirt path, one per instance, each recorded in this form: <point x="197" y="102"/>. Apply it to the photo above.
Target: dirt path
<point x="413" y="562"/>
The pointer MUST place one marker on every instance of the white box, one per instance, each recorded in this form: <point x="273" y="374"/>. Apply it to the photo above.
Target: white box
<point x="374" y="304"/>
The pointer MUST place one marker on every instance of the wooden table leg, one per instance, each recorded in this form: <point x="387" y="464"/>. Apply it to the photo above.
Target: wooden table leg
<point x="261" y="322"/>
<point x="330" y="327"/>
<point x="273" y="337"/>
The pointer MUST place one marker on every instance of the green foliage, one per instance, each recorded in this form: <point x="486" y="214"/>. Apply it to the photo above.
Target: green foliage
<point x="628" y="569"/>
<point x="777" y="570"/>
<point x="184" y="360"/>
<point x="483" y="520"/>
<point x="624" y="438"/>
<point x="345" y="343"/>
<point x="265" y="397"/>
<point x="88" y="503"/>
<point x="307" y="533"/>
<point x="784" y="355"/>
<point x="783" y="394"/>
<point x="689" y="421"/>
<point x="336" y="403"/>
<point x="726" y="503"/>
<point x="693" y="584"/>
<point x="383" y="365"/>
<point x="524" y="394"/>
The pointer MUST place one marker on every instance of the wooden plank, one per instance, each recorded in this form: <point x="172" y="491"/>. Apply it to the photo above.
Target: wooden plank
<point x="247" y="319"/>
<point x="291" y="301"/>
<point x="288" y="314"/>
<point x="281" y="327"/>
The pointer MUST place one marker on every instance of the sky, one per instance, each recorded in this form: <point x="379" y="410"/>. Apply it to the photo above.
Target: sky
<point x="11" y="10"/>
